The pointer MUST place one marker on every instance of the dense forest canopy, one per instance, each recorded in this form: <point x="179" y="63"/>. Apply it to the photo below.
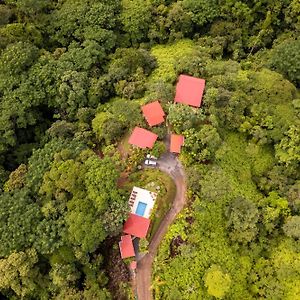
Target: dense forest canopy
<point x="73" y="74"/>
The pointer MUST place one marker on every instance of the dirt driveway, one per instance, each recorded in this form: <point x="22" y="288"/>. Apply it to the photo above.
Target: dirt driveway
<point x="169" y="164"/>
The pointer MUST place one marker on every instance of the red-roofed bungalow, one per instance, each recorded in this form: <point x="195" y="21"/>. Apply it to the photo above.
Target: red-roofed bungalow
<point x="137" y="226"/>
<point x="142" y="138"/>
<point x="126" y="246"/>
<point x="153" y="113"/>
<point x="176" y="143"/>
<point x="189" y="90"/>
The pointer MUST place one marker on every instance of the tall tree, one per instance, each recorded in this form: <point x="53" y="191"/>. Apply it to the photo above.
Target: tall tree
<point x="242" y="220"/>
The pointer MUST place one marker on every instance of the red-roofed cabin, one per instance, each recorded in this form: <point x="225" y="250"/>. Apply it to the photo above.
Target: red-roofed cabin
<point x="126" y="246"/>
<point x="137" y="226"/>
<point x="142" y="138"/>
<point x="176" y="143"/>
<point x="153" y="113"/>
<point x="189" y="90"/>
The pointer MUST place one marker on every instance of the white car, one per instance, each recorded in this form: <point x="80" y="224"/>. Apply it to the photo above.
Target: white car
<point x="149" y="162"/>
<point x="149" y="156"/>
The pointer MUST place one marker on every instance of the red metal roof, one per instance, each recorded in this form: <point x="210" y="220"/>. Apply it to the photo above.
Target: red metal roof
<point x="153" y="113"/>
<point x="189" y="90"/>
<point x="126" y="246"/>
<point x="176" y="143"/>
<point x="133" y="265"/>
<point x="137" y="226"/>
<point x="142" y="138"/>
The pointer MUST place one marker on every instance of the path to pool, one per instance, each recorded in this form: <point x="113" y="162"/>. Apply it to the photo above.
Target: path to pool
<point x="169" y="164"/>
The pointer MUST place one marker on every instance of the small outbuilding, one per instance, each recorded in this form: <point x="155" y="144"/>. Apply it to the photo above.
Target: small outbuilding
<point x="142" y="138"/>
<point x="176" y="143"/>
<point x="153" y="113"/>
<point x="133" y="265"/>
<point x="126" y="247"/>
<point x="189" y="90"/>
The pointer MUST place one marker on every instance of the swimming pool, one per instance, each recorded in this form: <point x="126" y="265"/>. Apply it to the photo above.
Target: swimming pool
<point x="140" y="210"/>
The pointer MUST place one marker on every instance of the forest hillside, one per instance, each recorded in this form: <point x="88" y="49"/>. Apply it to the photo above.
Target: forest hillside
<point x="73" y="76"/>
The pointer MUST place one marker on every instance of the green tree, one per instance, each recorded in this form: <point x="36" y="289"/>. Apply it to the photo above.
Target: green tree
<point x="292" y="227"/>
<point x="29" y="7"/>
<point x="201" y="12"/>
<point x="114" y="217"/>
<point x="16" y="179"/>
<point x="217" y="282"/>
<point x="83" y="57"/>
<point x="84" y="20"/>
<point x="285" y="59"/>
<point x="64" y="275"/>
<point x="172" y="22"/>
<point x="288" y="150"/>
<point x="274" y="210"/>
<point x="5" y="14"/>
<point x="126" y="61"/>
<point x="41" y="159"/>
<point x="293" y="196"/>
<point x="72" y="93"/>
<point x="113" y="120"/>
<point x="18" y="223"/>
<point x="16" y="58"/>
<point x="20" y="32"/>
<point x="18" y="273"/>
<point x="136" y="19"/>
<point x="64" y="180"/>
<point x="182" y="117"/>
<point x="201" y="145"/>
<point x="19" y="100"/>
<point x="158" y="149"/>
<point x="214" y="185"/>
<point x="84" y="224"/>
<point x="62" y="129"/>
<point x="242" y="220"/>
<point x="128" y="69"/>
<point x="100" y="181"/>
<point x="107" y="127"/>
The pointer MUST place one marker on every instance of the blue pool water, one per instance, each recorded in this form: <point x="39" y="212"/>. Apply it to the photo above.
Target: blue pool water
<point x="140" y="210"/>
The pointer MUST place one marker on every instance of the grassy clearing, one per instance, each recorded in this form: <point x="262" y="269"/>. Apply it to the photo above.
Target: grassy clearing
<point x="156" y="181"/>
<point x="167" y="57"/>
<point x="240" y="160"/>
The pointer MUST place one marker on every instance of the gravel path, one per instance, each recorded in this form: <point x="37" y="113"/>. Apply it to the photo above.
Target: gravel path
<point x="169" y="164"/>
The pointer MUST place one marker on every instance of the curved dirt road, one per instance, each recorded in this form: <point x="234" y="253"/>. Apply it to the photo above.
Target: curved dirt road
<point x="169" y="164"/>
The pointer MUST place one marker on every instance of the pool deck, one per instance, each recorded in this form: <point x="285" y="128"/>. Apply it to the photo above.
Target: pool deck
<point x="144" y="196"/>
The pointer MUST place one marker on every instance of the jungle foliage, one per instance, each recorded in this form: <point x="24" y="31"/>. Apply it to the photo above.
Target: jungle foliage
<point x="73" y="74"/>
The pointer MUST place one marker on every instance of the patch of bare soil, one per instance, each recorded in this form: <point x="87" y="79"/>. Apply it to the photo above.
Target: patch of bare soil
<point x="122" y="179"/>
<point x="123" y="152"/>
<point x="174" y="245"/>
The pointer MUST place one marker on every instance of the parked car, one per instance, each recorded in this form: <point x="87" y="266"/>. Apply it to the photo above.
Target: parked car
<point x="151" y="156"/>
<point x="149" y="162"/>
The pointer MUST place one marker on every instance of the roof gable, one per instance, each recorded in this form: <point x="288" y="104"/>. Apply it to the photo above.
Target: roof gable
<point x="137" y="226"/>
<point x="176" y="143"/>
<point x="153" y="113"/>
<point x="142" y="138"/>
<point x="189" y="90"/>
<point x="126" y="246"/>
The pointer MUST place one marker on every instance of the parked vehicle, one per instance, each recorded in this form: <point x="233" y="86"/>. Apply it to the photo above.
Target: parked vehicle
<point x="149" y="156"/>
<point x="149" y="162"/>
